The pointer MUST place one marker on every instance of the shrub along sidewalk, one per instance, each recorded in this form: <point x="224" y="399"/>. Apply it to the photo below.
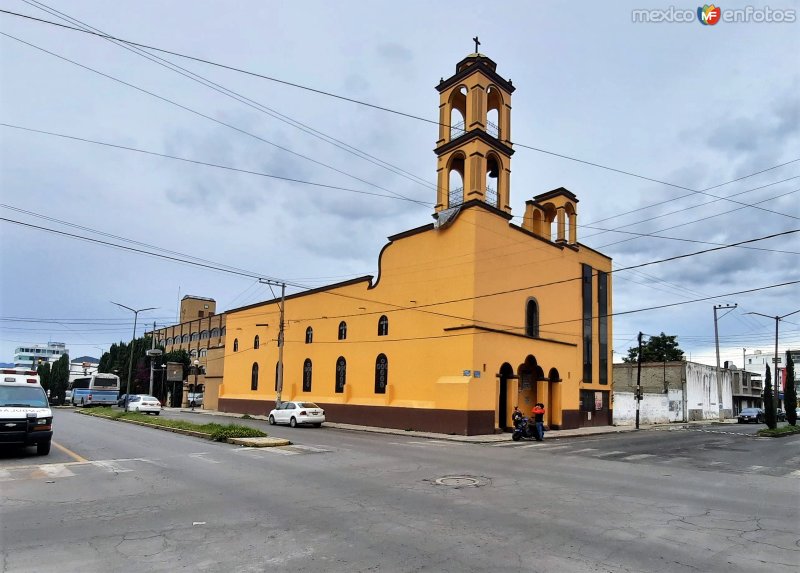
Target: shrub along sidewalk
<point x="210" y="431"/>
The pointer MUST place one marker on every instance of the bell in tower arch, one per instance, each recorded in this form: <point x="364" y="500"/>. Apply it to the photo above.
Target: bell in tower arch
<point x="493" y="170"/>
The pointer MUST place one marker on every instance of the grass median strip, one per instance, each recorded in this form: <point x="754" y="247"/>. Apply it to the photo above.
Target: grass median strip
<point x="216" y="432"/>
<point x="778" y="432"/>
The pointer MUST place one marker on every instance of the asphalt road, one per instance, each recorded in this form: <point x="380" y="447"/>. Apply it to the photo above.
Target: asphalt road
<point x="119" y="497"/>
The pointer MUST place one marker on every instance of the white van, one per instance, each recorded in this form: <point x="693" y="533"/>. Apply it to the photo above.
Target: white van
<point x="25" y="415"/>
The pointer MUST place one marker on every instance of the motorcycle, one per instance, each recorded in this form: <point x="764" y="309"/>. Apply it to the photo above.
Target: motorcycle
<point x="525" y="431"/>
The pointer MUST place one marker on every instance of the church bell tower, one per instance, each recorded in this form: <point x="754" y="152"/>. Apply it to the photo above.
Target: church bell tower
<point x="474" y="148"/>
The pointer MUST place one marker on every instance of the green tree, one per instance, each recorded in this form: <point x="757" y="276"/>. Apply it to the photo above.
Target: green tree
<point x="44" y="375"/>
<point x="790" y="392"/>
<point x="661" y="348"/>
<point x="118" y="357"/>
<point x="770" y="415"/>
<point x="59" y="379"/>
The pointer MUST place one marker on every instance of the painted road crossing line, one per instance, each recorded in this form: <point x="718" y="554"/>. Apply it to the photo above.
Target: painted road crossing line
<point x="64" y="469"/>
<point x="584" y="450"/>
<point x="605" y="454"/>
<point x="202" y="457"/>
<point x="310" y="449"/>
<point x="635" y="457"/>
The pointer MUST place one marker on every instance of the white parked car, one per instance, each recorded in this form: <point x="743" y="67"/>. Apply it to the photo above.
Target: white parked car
<point x="296" y="413"/>
<point x="143" y="403"/>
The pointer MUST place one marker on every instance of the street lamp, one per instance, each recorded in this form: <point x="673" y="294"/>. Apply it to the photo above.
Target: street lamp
<point x="163" y="369"/>
<point x="775" y="377"/>
<point x="133" y="339"/>
<point x="196" y="368"/>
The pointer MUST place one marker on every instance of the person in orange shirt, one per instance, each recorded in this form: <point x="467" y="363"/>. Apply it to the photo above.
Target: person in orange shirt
<point x="537" y="417"/>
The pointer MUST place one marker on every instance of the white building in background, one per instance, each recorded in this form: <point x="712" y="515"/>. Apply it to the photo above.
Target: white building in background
<point x="757" y="363"/>
<point x="83" y="366"/>
<point x="672" y="392"/>
<point x="29" y="356"/>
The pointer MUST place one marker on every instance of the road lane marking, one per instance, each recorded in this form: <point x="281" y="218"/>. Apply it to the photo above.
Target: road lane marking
<point x="110" y="466"/>
<point x="5" y="475"/>
<point x="795" y="473"/>
<point x="309" y="448"/>
<point x="639" y="457"/>
<point x="584" y="450"/>
<point x="604" y="454"/>
<point x="202" y="458"/>
<point x="501" y="444"/>
<point x="69" y="452"/>
<point x="56" y="470"/>
<point x="756" y="468"/>
<point x="280" y="451"/>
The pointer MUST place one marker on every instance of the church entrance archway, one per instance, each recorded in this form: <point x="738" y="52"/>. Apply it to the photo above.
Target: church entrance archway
<point x="506" y="378"/>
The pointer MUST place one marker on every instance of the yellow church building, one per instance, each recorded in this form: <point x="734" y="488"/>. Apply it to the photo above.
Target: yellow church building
<point x="468" y="317"/>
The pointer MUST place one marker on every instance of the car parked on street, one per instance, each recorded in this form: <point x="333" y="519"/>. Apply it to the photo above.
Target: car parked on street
<point x="297" y="413"/>
<point x="144" y="403"/>
<point x="751" y="415"/>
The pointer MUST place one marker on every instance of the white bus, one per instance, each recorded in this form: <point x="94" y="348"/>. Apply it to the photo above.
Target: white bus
<point x="95" y="390"/>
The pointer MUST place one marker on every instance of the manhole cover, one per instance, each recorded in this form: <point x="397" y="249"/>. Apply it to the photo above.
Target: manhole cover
<point x="459" y="481"/>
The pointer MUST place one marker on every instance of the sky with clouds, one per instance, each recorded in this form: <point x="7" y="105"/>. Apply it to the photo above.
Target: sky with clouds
<point x="682" y="103"/>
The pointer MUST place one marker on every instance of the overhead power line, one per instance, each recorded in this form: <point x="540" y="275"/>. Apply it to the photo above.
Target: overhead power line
<point x="360" y="153"/>
<point x="207" y="163"/>
<point x="203" y="115"/>
<point x="360" y="102"/>
<point x="396" y="307"/>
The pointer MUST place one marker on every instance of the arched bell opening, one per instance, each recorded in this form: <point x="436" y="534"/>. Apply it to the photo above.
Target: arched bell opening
<point x="494" y="103"/>
<point x="455" y="178"/>
<point x="548" y="229"/>
<point x="493" y="173"/>
<point x="458" y="112"/>
<point x="571" y="223"/>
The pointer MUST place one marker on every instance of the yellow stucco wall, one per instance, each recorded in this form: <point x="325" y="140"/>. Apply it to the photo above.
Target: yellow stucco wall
<point x="435" y="287"/>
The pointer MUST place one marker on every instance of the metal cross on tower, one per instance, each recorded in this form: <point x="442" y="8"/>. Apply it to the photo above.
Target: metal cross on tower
<point x="477" y="43"/>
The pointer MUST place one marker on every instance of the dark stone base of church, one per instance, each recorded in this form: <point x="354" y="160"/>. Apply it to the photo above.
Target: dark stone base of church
<point x="578" y="419"/>
<point x="469" y="423"/>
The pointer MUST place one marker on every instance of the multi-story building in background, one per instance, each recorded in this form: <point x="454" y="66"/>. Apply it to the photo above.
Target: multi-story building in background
<point x="758" y="360"/>
<point x="31" y="355"/>
<point x="201" y="333"/>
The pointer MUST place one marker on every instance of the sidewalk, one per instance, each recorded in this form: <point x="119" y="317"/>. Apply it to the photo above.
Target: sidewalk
<point x="483" y="439"/>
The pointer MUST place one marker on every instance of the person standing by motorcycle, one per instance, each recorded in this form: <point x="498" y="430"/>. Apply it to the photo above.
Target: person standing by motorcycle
<point x="516" y="416"/>
<point x="537" y="417"/>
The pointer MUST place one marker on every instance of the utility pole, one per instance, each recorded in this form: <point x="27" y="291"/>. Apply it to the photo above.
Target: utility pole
<point x="775" y="369"/>
<point x="719" y="373"/>
<point x="280" y="336"/>
<point x="639" y="380"/>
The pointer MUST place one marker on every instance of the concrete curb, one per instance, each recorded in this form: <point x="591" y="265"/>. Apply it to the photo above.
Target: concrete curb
<point x="259" y="442"/>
